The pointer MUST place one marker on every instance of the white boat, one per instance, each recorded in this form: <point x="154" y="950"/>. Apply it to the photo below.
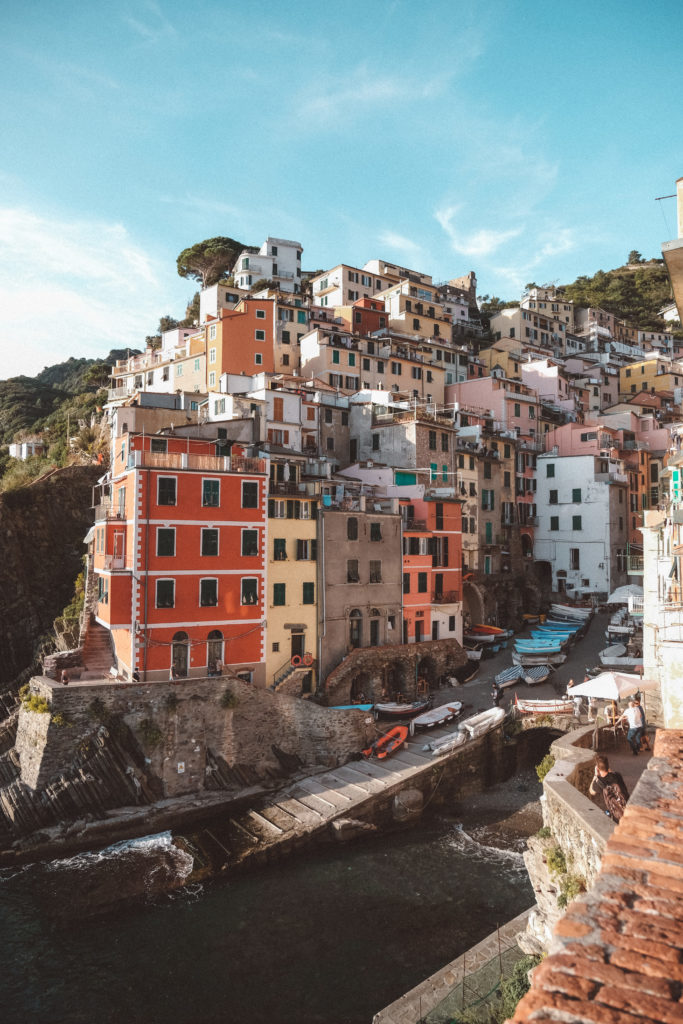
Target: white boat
<point x="447" y="743"/>
<point x="549" y="658"/>
<point x="436" y="716"/>
<point x="544" y="707"/>
<point x="482" y="723"/>
<point x="474" y="655"/>
<point x="570" y="610"/>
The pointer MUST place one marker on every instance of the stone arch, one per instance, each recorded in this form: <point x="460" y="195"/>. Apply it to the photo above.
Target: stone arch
<point x="527" y="545"/>
<point x="397" y="678"/>
<point x="361" y="685"/>
<point x="427" y="674"/>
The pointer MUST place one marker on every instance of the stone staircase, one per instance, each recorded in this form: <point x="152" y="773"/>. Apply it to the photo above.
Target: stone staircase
<point x="98" y="655"/>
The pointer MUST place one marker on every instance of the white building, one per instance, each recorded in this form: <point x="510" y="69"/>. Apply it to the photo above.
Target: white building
<point x="277" y="260"/>
<point x="582" y="531"/>
<point x="344" y="285"/>
<point x="26" y="449"/>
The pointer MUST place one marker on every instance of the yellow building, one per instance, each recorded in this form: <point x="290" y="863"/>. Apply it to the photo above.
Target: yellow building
<point x="292" y="598"/>
<point x="415" y="309"/>
<point x="652" y="375"/>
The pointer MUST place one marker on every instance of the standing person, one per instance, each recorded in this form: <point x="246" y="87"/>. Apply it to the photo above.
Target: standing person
<point x="633" y="717"/>
<point x="644" y="741"/>
<point x="614" y="791"/>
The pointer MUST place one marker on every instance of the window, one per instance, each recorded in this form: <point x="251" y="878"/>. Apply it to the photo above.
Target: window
<point x="301" y="316"/>
<point x="506" y="479"/>
<point x="375" y="571"/>
<point x="249" y="494"/>
<point x="212" y="380"/>
<point x="444" y="442"/>
<point x="165" y="595"/>
<point x="345" y="419"/>
<point x="396" y="369"/>
<point x="554" y="522"/>
<point x="279" y="593"/>
<point x="212" y="355"/>
<point x="260" y="335"/>
<point x="260" y="314"/>
<point x="212" y="336"/>
<point x="249" y="542"/>
<point x="375" y="442"/>
<point x="366" y="364"/>
<point x="352" y="358"/>
<point x="306" y="550"/>
<point x="574" y="558"/>
<point x="279" y="549"/>
<point x="432" y="440"/>
<point x="532" y="413"/>
<point x="165" y="541"/>
<point x="380" y="366"/>
<point x="249" y="591"/>
<point x="309" y="593"/>
<point x="208" y="593"/>
<point x="209" y="542"/>
<point x="375" y="531"/>
<point x="258" y="359"/>
<point x="550" y="469"/>
<point x="352" y="570"/>
<point x="518" y="409"/>
<point x="406" y="582"/>
<point x="285" y="359"/>
<point x="166" y="490"/>
<point x="576" y="495"/>
<point x="422" y="583"/>
<point x="335" y="355"/>
<point x="552" y="497"/>
<point x="286" y="338"/>
<point x="487" y="471"/>
<point x="576" y="522"/>
<point x="159" y="445"/>
<point x="352" y="528"/>
<point x="211" y="493"/>
<point x="330" y="444"/>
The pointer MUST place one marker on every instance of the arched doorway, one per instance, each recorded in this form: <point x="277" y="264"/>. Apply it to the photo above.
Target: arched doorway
<point x="355" y="628"/>
<point x="374" y="627"/>
<point x="360" y="688"/>
<point x="527" y="545"/>
<point x="180" y="654"/>
<point x="427" y="676"/>
<point x="472" y="605"/>
<point x="214" y="651"/>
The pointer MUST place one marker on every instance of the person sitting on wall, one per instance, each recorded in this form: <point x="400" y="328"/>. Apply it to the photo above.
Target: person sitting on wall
<point x="614" y="791"/>
<point x="65" y="677"/>
<point x="173" y="674"/>
<point x="136" y="676"/>
<point x="218" y="667"/>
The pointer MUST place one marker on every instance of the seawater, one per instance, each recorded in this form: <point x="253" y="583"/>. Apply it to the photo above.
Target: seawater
<point x="331" y="936"/>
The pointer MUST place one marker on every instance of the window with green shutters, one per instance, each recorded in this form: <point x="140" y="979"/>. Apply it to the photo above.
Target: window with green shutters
<point x="211" y="493"/>
<point x="576" y="522"/>
<point x="554" y="522"/>
<point x="279" y="549"/>
<point x="278" y="593"/>
<point x="576" y="495"/>
<point x="309" y="593"/>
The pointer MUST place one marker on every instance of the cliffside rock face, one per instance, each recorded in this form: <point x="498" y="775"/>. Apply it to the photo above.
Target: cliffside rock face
<point x="42" y="527"/>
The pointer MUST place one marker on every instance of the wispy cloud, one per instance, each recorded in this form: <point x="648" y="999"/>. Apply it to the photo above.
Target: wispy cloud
<point x="481" y="243"/>
<point x="361" y="91"/>
<point x="151" y="25"/>
<point x="399" y="243"/>
<point x="201" y="205"/>
<point x="72" y="288"/>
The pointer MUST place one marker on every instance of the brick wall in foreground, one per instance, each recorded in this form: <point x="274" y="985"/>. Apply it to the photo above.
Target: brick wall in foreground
<point x="617" y="954"/>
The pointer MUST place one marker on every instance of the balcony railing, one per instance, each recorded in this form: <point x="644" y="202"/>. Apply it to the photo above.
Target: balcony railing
<point x="446" y="597"/>
<point x="105" y="510"/>
<point x="114" y="562"/>
<point x="287" y="487"/>
<point x="205" y="463"/>
<point x="636" y="564"/>
<point x="415" y="526"/>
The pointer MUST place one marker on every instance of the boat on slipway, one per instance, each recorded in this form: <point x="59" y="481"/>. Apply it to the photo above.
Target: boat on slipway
<point x="470" y="729"/>
<point x="544" y="707"/>
<point x="568" y="611"/>
<point x="539" y="658"/>
<point x="393" y="709"/>
<point x="617" y="657"/>
<point x="436" y="716"/>
<point x="532" y="675"/>
<point x="388" y="744"/>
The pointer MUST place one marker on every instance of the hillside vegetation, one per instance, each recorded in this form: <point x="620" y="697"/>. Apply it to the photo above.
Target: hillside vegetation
<point x="635" y="292"/>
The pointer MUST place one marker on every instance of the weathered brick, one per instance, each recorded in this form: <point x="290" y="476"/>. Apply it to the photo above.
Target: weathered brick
<point x="572" y="929"/>
<point x="645" y="1005"/>
<point x="550" y="978"/>
<point x="641" y="964"/>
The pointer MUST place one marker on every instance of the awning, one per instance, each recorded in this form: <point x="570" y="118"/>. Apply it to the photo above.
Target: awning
<point x="89" y="535"/>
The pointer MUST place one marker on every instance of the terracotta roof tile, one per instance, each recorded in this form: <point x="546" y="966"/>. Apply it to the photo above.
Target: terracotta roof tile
<point x="619" y="947"/>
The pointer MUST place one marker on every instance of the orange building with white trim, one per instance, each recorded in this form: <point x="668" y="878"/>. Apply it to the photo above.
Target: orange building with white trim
<point x="179" y="555"/>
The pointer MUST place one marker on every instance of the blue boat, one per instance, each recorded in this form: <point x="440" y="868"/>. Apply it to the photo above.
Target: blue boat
<point x="351" y="707"/>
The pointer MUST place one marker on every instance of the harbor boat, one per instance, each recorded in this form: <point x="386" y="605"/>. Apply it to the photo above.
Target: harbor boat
<point x="544" y="707"/>
<point x="531" y="675"/>
<point x="388" y="744"/>
<point x="537" y="648"/>
<point x="482" y="723"/>
<point x="484" y="630"/>
<point x="531" y="619"/>
<point x="553" y="634"/>
<point x="470" y="638"/>
<point x="541" y="658"/>
<point x="391" y="709"/>
<point x="447" y="743"/>
<point x="351" y="707"/>
<point x="536" y="674"/>
<point x="474" y="654"/>
<point x="555" y="625"/>
<point x="571" y="611"/>
<point x="436" y="716"/>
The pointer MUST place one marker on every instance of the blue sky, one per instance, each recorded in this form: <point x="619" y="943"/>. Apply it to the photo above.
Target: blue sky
<point x="522" y="140"/>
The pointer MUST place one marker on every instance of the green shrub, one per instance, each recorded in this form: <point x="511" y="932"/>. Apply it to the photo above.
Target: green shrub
<point x="61" y="720"/>
<point x="33" y="702"/>
<point x="229" y="700"/>
<point x="517" y="985"/>
<point x="24" y="691"/>
<point x="556" y="861"/>
<point x="544" y="832"/>
<point x="544" y="767"/>
<point x="570" y="887"/>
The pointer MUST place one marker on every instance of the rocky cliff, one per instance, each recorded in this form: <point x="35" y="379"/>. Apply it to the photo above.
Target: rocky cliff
<point x="42" y="527"/>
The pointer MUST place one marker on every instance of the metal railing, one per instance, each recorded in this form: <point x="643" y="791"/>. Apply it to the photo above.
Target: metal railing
<point x="415" y="526"/>
<point x="446" y="597"/>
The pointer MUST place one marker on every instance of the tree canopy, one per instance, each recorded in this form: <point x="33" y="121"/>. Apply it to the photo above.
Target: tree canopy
<point x="635" y="292"/>
<point x="209" y="260"/>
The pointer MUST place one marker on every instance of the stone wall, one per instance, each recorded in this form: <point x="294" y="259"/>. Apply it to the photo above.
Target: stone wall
<point x="42" y="527"/>
<point x="176" y="722"/>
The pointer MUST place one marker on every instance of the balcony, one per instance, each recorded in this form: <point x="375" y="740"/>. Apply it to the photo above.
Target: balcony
<point x="203" y="463"/>
<point x="446" y="597"/>
<point x="287" y="487"/>
<point x="106" y="511"/>
<point x="415" y="526"/>
<point x="114" y="562"/>
<point x="635" y="565"/>
<point x="118" y="394"/>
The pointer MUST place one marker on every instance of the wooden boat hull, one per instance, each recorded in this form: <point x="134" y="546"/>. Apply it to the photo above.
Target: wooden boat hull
<point x="388" y="744"/>
<point x="393" y="710"/>
<point x="544" y="707"/>
<point x="549" y="658"/>
<point x="567" y="609"/>
<point x="436" y="716"/>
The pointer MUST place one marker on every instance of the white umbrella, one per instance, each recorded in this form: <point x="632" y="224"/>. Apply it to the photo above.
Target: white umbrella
<point x="622" y="594"/>
<point x="612" y="686"/>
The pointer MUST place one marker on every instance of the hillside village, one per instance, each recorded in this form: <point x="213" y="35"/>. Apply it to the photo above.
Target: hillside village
<point x="355" y="462"/>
